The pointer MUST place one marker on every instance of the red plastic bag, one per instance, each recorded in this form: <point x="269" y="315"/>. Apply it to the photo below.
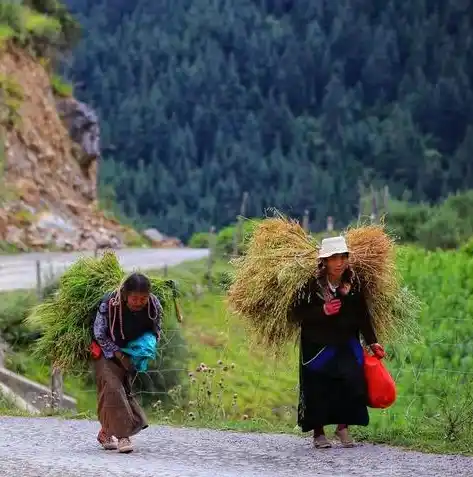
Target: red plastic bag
<point x="95" y="350"/>
<point x="381" y="385"/>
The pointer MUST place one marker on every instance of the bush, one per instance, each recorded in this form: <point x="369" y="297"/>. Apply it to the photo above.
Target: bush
<point x="61" y="88"/>
<point x="11" y="99"/>
<point x="445" y="226"/>
<point x="405" y="220"/>
<point x="467" y="248"/>
<point x="199" y="240"/>
<point x="44" y="26"/>
<point x="14" y="308"/>
<point x="442" y="230"/>
<point x="226" y="236"/>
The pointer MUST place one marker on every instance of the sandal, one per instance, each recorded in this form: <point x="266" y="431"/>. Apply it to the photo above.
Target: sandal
<point x="321" y="442"/>
<point x="344" y="437"/>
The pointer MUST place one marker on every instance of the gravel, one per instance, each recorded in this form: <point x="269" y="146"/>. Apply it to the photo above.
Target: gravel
<point x="46" y="447"/>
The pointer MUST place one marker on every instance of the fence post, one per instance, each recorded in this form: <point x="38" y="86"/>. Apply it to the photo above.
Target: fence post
<point x="239" y="224"/>
<point x="305" y="221"/>
<point x="57" y="392"/>
<point x="374" y="205"/>
<point x="330" y="225"/>
<point x="39" y="285"/>
<point x="165" y="271"/>
<point x="386" y="199"/>
<point x="360" y="199"/>
<point x="212" y="247"/>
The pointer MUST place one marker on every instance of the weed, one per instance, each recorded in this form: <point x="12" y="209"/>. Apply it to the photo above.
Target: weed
<point x="11" y="99"/>
<point x="61" y="88"/>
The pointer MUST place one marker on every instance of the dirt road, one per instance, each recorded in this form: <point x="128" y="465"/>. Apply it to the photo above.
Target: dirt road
<point x="19" y="271"/>
<point x="43" y="447"/>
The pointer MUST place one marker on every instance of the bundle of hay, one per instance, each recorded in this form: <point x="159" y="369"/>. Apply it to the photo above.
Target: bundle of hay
<point x="281" y="258"/>
<point x="65" y="319"/>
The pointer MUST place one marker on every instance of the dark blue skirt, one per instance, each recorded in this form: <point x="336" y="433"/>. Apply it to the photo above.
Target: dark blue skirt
<point x="332" y="386"/>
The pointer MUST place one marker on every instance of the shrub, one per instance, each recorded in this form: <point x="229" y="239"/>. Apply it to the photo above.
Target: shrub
<point x="467" y="247"/>
<point x="199" y="240"/>
<point x="14" y="308"/>
<point x="43" y="26"/>
<point x="11" y="99"/>
<point x="61" y="88"/>
<point x="226" y="236"/>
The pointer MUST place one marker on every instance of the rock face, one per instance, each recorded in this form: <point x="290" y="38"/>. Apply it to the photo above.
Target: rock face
<point x="83" y="126"/>
<point x="50" y="170"/>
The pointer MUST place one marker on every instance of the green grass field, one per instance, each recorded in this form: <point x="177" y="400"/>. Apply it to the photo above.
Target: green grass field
<point x="246" y="390"/>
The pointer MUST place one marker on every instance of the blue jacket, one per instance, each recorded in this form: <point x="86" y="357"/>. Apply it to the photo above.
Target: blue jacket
<point x="142" y="350"/>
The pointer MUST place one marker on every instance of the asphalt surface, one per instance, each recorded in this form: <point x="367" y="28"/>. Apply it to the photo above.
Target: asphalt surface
<point x="46" y="447"/>
<point x="19" y="271"/>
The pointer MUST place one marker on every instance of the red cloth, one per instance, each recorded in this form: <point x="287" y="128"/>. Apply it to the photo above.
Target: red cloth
<point x="381" y="385"/>
<point x="95" y="350"/>
<point x="378" y="350"/>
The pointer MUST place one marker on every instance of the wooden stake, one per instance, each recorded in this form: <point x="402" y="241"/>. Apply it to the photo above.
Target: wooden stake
<point x="386" y="199"/>
<point x="360" y="199"/>
<point x="305" y="221"/>
<point x="239" y="225"/>
<point x="39" y="285"/>
<point x="212" y="247"/>
<point x="329" y="224"/>
<point x="57" y="391"/>
<point x="374" y="205"/>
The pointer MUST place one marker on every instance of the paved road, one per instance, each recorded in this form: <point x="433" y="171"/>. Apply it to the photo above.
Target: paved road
<point x="43" y="447"/>
<point x="19" y="271"/>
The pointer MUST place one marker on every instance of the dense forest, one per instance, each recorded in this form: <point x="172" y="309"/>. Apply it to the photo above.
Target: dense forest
<point x="296" y="102"/>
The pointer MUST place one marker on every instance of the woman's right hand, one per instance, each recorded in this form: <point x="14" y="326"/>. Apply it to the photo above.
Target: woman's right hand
<point x="332" y="307"/>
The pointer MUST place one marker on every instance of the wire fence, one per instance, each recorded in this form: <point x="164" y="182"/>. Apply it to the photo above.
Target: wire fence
<point x="430" y="375"/>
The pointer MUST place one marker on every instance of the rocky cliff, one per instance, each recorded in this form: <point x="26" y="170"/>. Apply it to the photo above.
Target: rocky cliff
<point x="51" y="148"/>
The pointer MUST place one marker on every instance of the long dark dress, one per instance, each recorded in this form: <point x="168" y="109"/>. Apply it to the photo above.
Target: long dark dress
<point x="335" y="392"/>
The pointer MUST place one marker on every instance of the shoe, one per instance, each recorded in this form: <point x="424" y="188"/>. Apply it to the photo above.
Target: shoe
<point x="321" y="442"/>
<point x="124" y="445"/>
<point x="108" y="443"/>
<point x="344" y="437"/>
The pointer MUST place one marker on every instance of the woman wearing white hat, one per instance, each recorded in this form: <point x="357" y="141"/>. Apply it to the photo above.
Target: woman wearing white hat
<point x="333" y="314"/>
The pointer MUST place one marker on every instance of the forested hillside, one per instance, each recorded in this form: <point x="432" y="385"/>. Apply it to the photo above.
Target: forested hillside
<point x="292" y="101"/>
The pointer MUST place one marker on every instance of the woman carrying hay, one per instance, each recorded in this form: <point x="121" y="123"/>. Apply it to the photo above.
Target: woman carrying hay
<point x="332" y="313"/>
<point x="122" y="318"/>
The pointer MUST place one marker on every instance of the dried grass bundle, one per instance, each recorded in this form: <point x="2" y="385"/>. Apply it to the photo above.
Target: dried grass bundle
<point x="281" y="258"/>
<point x="393" y="308"/>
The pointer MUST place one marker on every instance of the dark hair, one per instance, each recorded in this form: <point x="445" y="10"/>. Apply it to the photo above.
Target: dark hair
<point x="348" y="276"/>
<point x="136" y="283"/>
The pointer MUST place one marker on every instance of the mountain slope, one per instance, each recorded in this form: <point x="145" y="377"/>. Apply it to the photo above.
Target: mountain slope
<point x="292" y="101"/>
<point x="49" y="146"/>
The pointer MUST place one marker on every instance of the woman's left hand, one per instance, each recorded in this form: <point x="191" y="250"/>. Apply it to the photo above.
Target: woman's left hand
<point x="378" y="350"/>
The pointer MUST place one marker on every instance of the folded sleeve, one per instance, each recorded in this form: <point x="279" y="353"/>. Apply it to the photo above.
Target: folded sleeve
<point x="102" y="332"/>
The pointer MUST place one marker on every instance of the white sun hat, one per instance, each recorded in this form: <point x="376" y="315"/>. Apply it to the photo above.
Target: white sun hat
<point x="332" y="246"/>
